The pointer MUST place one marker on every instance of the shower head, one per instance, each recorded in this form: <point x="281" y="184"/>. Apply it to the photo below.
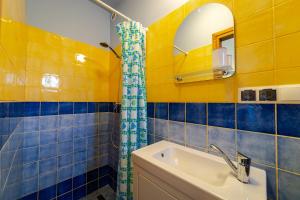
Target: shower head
<point x="105" y="45"/>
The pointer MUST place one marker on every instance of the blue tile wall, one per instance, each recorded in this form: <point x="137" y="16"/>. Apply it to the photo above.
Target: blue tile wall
<point x="256" y="117"/>
<point x="67" y="150"/>
<point x="196" y="113"/>
<point x="221" y="114"/>
<point x="288" y="120"/>
<point x="56" y="149"/>
<point x="252" y="129"/>
<point x="177" y="112"/>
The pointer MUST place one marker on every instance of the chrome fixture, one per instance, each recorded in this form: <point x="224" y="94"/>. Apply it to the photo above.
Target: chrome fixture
<point x="105" y="45"/>
<point x="242" y="171"/>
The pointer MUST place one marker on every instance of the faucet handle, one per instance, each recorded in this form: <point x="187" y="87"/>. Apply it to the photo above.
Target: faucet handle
<point x="243" y="159"/>
<point x="243" y="167"/>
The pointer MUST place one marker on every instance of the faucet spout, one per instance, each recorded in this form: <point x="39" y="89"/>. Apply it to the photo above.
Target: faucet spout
<point x="242" y="170"/>
<point x="225" y="157"/>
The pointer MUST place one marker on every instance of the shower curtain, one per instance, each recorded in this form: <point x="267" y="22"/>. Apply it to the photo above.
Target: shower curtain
<point x="134" y="105"/>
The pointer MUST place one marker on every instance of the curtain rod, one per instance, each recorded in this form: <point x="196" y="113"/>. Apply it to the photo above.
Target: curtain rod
<point x="112" y="10"/>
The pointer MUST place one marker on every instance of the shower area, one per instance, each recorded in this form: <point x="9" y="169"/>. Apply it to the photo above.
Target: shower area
<point x="60" y="124"/>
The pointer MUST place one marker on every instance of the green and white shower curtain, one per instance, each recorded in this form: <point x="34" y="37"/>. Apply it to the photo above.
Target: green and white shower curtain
<point x="134" y="105"/>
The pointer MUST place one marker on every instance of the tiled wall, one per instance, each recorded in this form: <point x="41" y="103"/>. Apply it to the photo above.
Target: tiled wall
<point x="267" y="49"/>
<point x="28" y="55"/>
<point x="53" y="149"/>
<point x="268" y="133"/>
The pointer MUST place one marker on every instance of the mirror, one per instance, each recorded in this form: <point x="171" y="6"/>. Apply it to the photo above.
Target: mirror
<point x="204" y="46"/>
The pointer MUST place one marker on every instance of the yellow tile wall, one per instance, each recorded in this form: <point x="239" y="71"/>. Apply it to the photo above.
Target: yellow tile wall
<point x="267" y="51"/>
<point x="27" y="54"/>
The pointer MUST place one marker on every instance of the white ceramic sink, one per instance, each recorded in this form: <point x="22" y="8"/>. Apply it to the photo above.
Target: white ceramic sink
<point x="197" y="173"/>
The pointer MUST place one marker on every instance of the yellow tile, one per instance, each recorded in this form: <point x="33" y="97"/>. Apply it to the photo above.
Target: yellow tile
<point x="49" y="95"/>
<point x="287" y="17"/>
<point x="244" y="9"/>
<point x="277" y="2"/>
<point x="287" y="76"/>
<point x="255" y="79"/>
<point x="255" y="57"/>
<point x="209" y="91"/>
<point x="256" y="29"/>
<point x="32" y="93"/>
<point x="287" y="51"/>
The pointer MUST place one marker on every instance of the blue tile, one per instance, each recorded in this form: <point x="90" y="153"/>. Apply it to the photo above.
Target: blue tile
<point x="79" y="168"/>
<point x="256" y="117"/>
<point x="47" y="151"/>
<point x="223" y="138"/>
<point x="49" y="108"/>
<point x="4" y="110"/>
<point x="64" y="160"/>
<point x="289" y="154"/>
<point x="288" y="116"/>
<point x="79" y="180"/>
<point x="30" y="154"/>
<point x="49" y="122"/>
<point x="79" y="193"/>
<point x="105" y="170"/>
<point x="32" y="109"/>
<point x="92" y="175"/>
<point x="177" y="112"/>
<point x="30" y="197"/>
<point x="271" y="180"/>
<point x="66" y="121"/>
<point x="48" y="137"/>
<point x="47" y="180"/>
<point x="80" y="144"/>
<point x="176" y="132"/>
<point x="80" y="156"/>
<point x="16" y="109"/>
<point x="30" y="140"/>
<point x="259" y="147"/>
<point x="29" y="186"/>
<point x="196" y="135"/>
<point x="65" y="173"/>
<point x="47" y="193"/>
<point x="65" y="148"/>
<point x="161" y="110"/>
<point x="150" y="110"/>
<point x="31" y="124"/>
<point x="64" y="187"/>
<point x="288" y="185"/>
<point x="111" y="107"/>
<point x="80" y="120"/>
<point x="65" y="134"/>
<point x="161" y="128"/>
<point x="67" y="196"/>
<point x="196" y="113"/>
<point x="221" y="114"/>
<point x="66" y="108"/>
<point x="79" y="132"/>
<point x="30" y="170"/>
<point x="103" y="107"/>
<point x="92" y="187"/>
<point x="80" y="107"/>
<point x="46" y="166"/>
<point x="150" y="125"/>
<point x="92" y="107"/>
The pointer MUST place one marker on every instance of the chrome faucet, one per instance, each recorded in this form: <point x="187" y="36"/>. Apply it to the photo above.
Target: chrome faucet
<point x="242" y="171"/>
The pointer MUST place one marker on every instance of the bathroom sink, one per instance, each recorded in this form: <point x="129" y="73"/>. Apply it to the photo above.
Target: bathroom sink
<point x="197" y="175"/>
<point x="209" y="171"/>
